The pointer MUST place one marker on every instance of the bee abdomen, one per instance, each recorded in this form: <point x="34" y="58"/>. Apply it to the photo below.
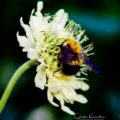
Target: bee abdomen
<point x="70" y="69"/>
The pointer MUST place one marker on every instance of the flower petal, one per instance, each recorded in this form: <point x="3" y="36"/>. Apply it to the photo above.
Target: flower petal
<point x="50" y="99"/>
<point x="39" y="7"/>
<point x="80" y="98"/>
<point x="76" y="84"/>
<point x="69" y="93"/>
<point x="58" y="23"/>
<point x="36" y="25"/>
<point x="24" y="42"/>
<point x="31" y="54"/>
<point x="38" y="22"/>
<point x="67" y="109"/>
<point x="40" y="79"/>
<point x="84" y="86"/>
<point x="63" y="107"/>
<point x="61" y="18"/>
<point x="28" y="31"/>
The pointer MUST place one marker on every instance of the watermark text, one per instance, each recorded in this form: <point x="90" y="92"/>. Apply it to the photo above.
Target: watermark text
<point x="90" y="116"/>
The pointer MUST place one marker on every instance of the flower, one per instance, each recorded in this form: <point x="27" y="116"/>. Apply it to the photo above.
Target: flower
<point x="45" y="38"/>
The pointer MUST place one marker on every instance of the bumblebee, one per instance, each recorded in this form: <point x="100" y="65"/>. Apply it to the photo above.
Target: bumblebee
<point x="72" y="57"/>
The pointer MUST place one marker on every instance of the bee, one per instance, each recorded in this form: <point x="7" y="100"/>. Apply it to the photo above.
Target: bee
<point x="72" y="57"/>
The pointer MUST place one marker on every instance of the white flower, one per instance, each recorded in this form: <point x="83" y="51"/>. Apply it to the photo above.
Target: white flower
<point x="44" y="34"/>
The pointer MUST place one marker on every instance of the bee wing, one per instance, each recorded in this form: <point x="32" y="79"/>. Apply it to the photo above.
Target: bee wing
<point x="93" y="67"/>
<point x="87" y="61"/>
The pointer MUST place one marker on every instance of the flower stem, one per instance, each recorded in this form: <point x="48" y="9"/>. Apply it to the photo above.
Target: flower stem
<point x="13" y="80"/>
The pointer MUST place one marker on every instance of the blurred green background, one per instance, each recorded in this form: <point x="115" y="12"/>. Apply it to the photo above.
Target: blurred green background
<point x="101" y="20"/>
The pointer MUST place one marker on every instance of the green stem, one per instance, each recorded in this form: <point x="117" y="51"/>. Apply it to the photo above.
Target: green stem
<point x="13" y="80"/>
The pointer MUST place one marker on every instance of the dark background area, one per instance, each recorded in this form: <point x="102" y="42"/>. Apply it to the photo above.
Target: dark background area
<point x="101" y="20"/>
